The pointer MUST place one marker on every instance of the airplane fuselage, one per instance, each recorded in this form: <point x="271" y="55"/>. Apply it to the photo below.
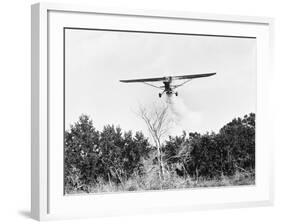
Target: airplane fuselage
<point x="168" y="88"/>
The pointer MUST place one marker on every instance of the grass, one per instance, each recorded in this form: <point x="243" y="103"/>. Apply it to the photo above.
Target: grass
<point x="151" y="181"/>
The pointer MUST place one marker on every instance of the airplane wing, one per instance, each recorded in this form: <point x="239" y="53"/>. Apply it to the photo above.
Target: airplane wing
<point x="144" y="80"/>
<point x="193" y="76"/>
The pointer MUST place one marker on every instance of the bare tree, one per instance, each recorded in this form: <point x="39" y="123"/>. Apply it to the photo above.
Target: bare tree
<point x="158" y="123"/>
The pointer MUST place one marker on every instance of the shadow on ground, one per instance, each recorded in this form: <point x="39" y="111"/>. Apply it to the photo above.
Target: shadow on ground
<point x="25" y="213"/>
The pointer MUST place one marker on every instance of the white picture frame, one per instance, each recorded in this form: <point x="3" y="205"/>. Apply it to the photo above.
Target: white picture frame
<point x="47" y="198"/>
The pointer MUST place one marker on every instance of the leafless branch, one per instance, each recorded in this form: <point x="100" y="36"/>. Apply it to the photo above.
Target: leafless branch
<point x="158" y="124"/>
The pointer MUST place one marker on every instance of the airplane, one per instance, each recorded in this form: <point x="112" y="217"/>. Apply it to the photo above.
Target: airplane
<point x="168" y="88"/>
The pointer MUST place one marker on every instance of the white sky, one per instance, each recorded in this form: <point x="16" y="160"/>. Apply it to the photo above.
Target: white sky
<point x="97" y="60"/>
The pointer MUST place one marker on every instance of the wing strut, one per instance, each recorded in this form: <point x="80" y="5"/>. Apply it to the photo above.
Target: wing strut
<point x="152" y="85"/>
<point x="176" y="86"/>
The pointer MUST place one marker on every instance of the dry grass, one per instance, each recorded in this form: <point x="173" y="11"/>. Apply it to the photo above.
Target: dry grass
<point x="151" y="181"/>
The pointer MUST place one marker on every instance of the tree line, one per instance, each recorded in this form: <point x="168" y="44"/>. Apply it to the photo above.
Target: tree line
<point x="113" y="155"/>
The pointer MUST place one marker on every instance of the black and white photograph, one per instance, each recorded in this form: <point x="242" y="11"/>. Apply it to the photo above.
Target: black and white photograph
<point x="147" y="111"/>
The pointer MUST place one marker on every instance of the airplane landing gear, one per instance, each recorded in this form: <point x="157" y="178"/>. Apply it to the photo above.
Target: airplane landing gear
<point x="176" y="93"/>
<point x="159" y="95"/>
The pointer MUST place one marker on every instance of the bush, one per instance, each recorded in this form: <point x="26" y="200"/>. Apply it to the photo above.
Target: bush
<point x="116" y="160"/>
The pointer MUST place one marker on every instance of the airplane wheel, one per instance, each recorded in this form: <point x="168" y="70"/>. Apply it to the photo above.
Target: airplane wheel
<point x="159" y="95"/>
<point x="177" y="94"/>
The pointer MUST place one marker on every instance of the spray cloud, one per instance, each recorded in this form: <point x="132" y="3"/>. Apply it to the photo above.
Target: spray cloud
<point x="183" y="118"/>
